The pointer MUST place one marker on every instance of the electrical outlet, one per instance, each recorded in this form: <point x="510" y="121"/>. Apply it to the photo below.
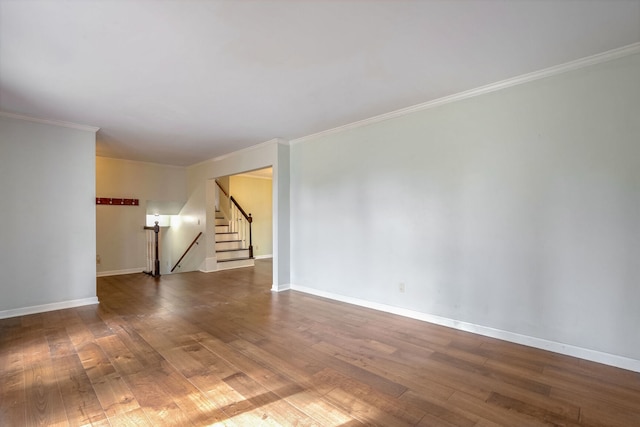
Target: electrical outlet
<point x="401" y="287"/>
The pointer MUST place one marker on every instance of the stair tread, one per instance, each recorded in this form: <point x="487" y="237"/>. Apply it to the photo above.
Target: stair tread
<point x="232" y="250"/>
<point x="227" y="232"/>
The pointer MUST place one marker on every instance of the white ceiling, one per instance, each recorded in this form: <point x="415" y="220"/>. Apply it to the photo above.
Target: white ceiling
<point x="179" y="82"/>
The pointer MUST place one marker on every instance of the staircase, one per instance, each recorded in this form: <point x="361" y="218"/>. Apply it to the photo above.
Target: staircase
<point x="230" y="250"/>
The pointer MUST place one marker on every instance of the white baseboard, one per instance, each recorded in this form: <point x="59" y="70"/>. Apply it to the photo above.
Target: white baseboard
<point x="263" y="256"/>
<point x="556" y="347"/>
<point x="120" y="272"/>
<point x="282" y="287"/>
<point x="47" y="307"/>
<point x="209" y="265"/>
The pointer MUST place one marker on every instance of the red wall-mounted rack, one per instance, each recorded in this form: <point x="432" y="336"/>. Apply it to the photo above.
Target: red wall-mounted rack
<point x="116" y="202"/>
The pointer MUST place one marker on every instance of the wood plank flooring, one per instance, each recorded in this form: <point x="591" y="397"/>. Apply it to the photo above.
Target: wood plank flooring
<point x="198" y="349"/>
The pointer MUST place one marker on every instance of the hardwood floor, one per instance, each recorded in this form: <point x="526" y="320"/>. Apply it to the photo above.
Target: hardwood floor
<point x="200" y="349"/>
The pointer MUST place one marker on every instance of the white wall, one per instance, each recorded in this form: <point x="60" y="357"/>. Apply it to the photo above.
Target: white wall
<point x="516" y="211"/>
<point x="273" y="153"/>
<point x="185" y="227"/>
<point x="121" y="241"/>
<point x="47" y="207"/>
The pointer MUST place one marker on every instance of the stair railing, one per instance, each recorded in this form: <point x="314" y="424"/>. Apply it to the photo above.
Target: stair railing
<point x="239" y="221"/>
<point x="222" y="199"/>
<point x="195" y="242"/>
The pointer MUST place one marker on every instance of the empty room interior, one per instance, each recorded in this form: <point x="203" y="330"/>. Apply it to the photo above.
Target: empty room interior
<point x="331" y="213"/>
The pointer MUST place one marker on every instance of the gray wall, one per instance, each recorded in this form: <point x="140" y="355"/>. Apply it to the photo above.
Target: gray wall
<point x="47" y="208"/>
<point x="517" y="210"/>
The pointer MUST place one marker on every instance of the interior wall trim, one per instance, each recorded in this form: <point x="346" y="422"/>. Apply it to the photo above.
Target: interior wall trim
<point x="120" y="272"/>
<point x="272" y="141"/>
<point x="50" y="122"/>
<point x="281" y="288"/>
<point x="47" y="307"/>
<point x="556" y="347"/>
<point x="492" y="87"/>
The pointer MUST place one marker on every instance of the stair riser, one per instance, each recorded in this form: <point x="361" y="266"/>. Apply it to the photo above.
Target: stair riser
<point x="226" y="237"/>
<point x="242" y="253"/>
<point x="235" y="264"/>
<point x="228" y="242"/>
<point x="223" y="246"/>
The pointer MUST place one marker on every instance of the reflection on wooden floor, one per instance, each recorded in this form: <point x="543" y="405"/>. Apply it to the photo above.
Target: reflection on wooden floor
<point x="200" y="349"/>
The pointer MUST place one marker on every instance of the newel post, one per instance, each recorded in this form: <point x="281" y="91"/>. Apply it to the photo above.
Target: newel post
<point x="250" y="220"/>
<point x="156" y="272"/>
<point x="156" y="269"/>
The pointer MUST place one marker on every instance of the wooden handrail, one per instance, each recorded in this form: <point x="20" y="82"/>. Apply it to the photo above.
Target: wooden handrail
<point x="249" y="220"/>
<point x="222" y="189"/>
<point x="244" y="214"/>
<point x="185" y="252"/>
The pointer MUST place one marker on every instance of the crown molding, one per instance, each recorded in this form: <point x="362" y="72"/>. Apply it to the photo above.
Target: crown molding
<point x="273" y="141"/>
<point x="164" y="165"/>
<point x="492" y="87"/>
<point x="50" y="122"/>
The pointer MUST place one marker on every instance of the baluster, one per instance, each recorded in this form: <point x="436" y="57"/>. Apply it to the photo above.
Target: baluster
<point x="155" y="272"/>
<point x="149" y="250"/>
<point x="235" y="218"/>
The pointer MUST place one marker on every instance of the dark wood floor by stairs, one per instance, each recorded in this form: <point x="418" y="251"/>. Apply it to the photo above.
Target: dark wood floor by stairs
<point x="200" y="349"/>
